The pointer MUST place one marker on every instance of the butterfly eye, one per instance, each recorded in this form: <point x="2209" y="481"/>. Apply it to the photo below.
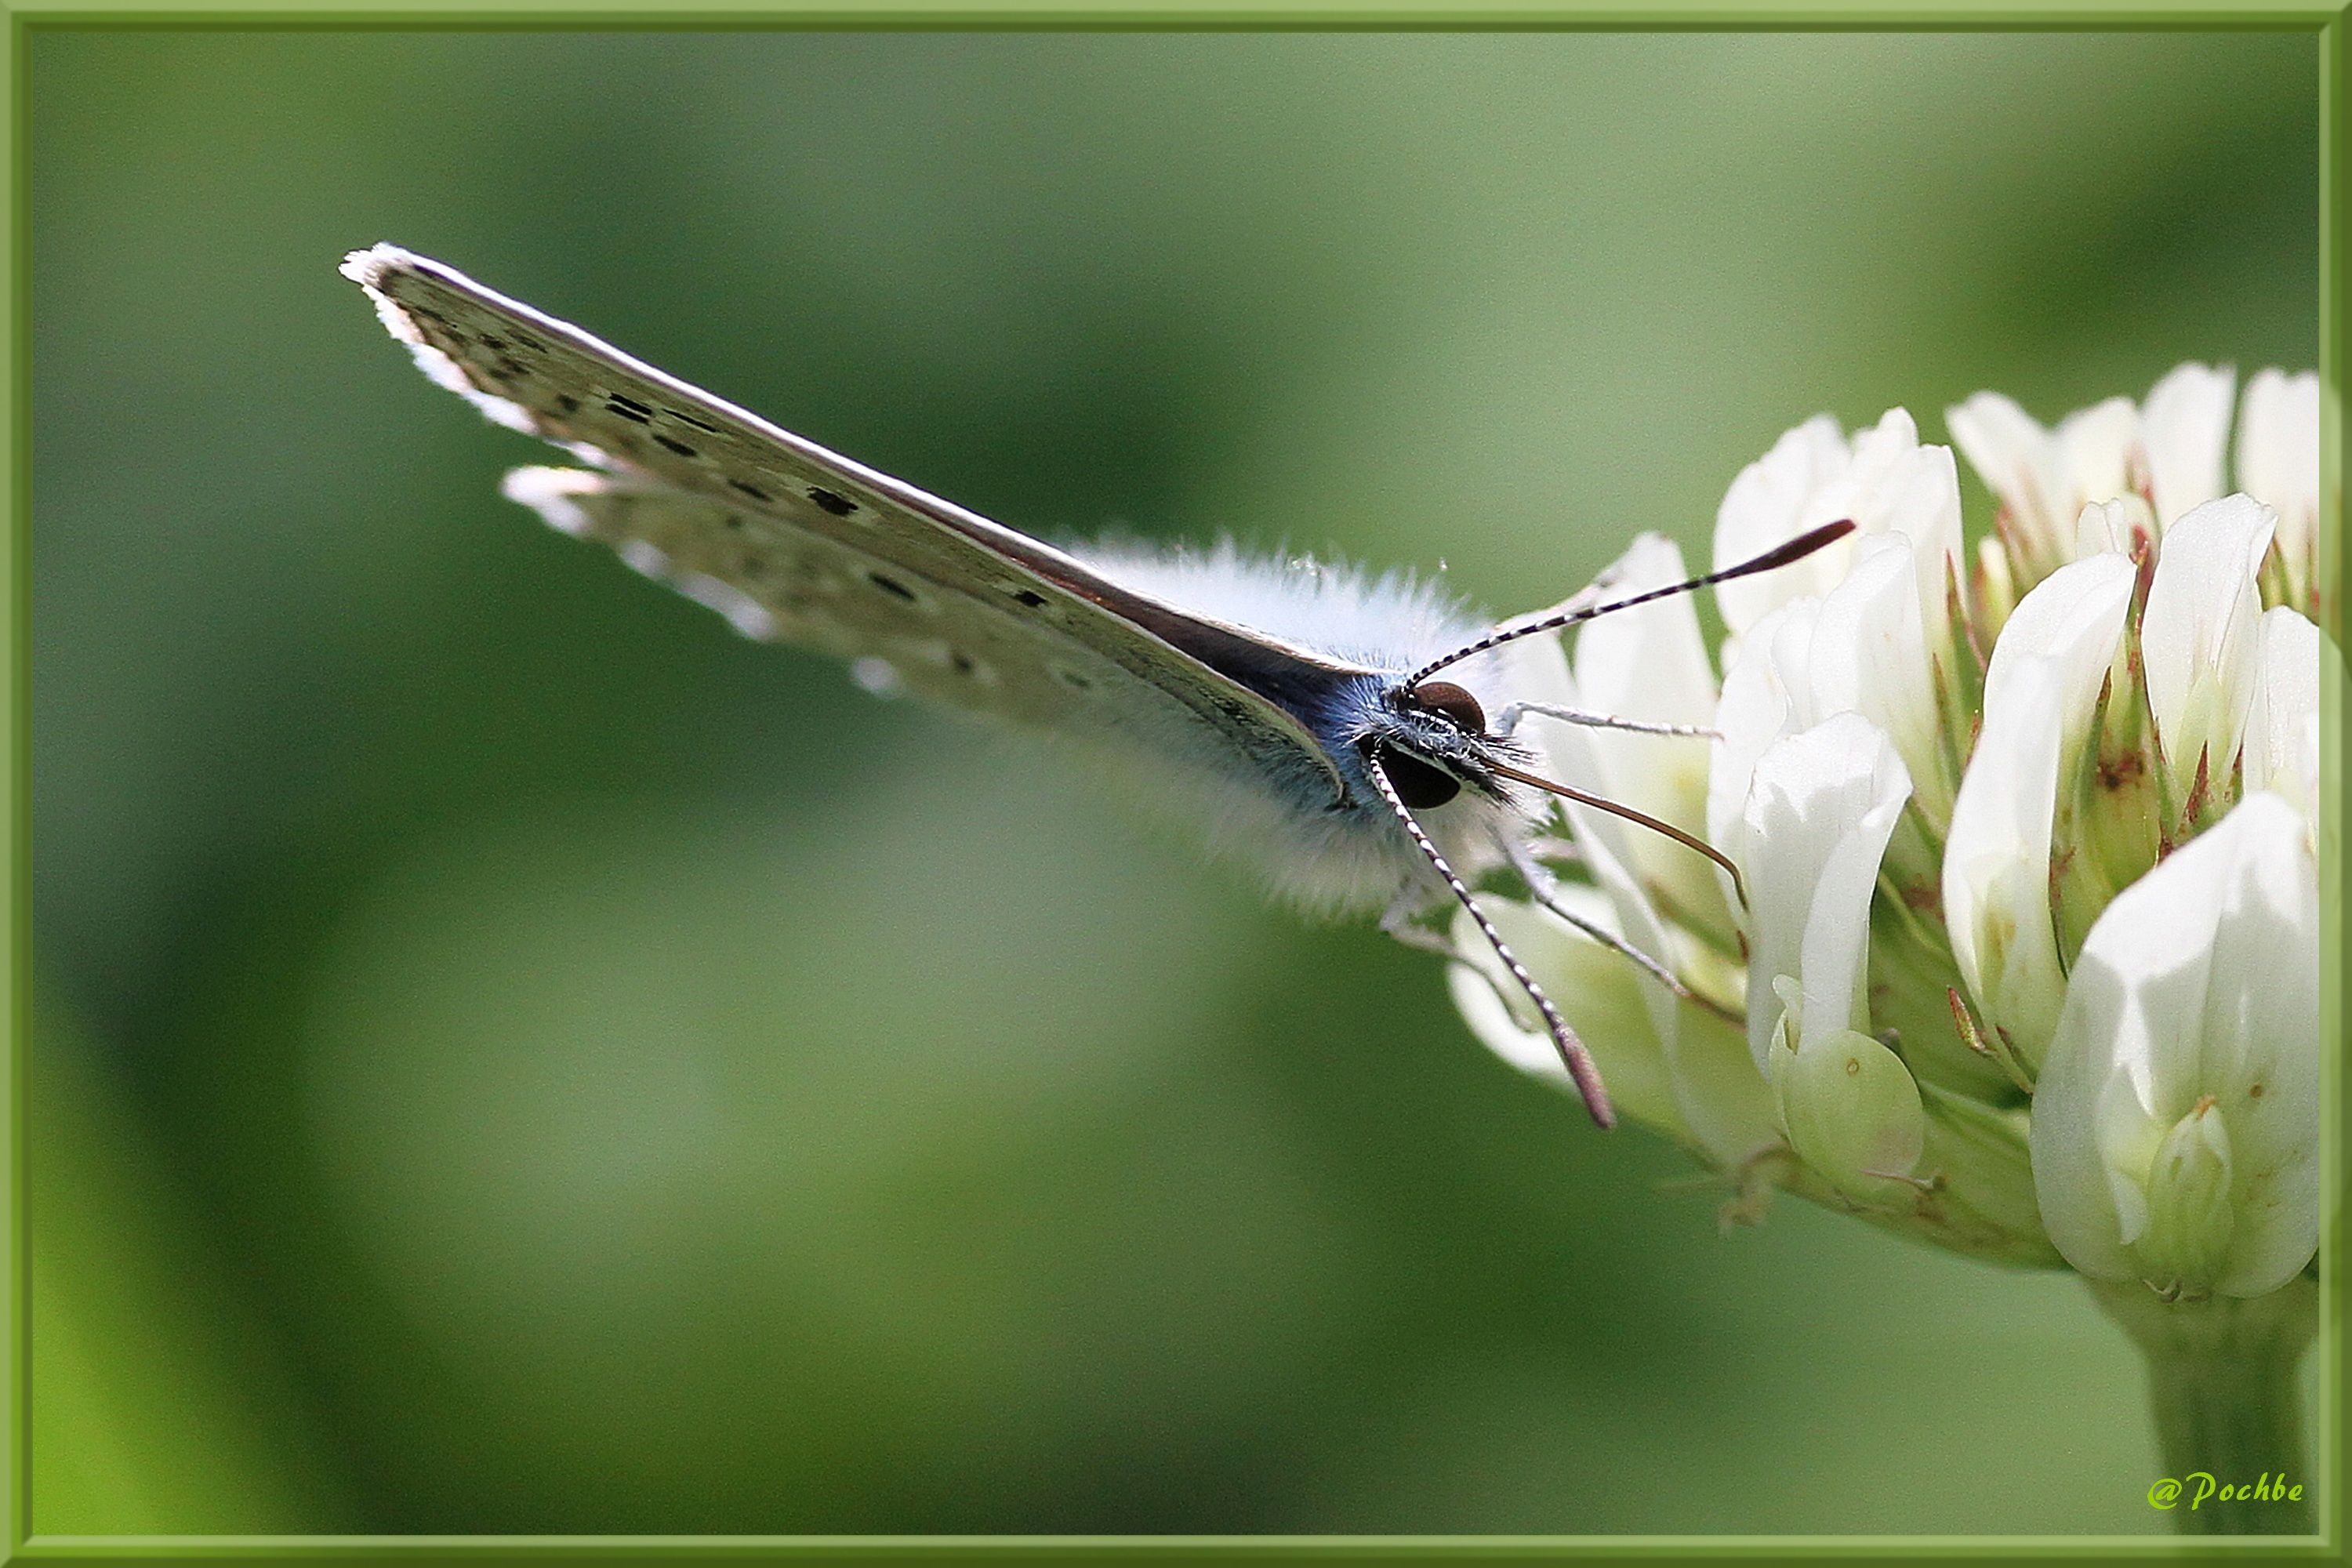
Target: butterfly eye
<point x="1419" y="785"/>
<point x="1444" y="697"/>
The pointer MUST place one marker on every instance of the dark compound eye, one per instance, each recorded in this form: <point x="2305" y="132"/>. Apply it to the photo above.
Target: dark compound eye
<point x="1444" y="697"/>
<point x="1419" y="785"/>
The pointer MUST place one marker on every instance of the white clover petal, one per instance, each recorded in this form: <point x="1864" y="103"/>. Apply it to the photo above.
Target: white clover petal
<point x="1719" y="1099"/>
<point x="1899" y="486"/>
<point x="1767" y="693"/>
<point x="1997" y="863"/>
<point x="2260" y="1029"/>
<point x="1776" y="498"/>
<point x="2095" y="447"/>
<point x="2075" y="618"/>
<point x="2042" y="690"/>
<point x="1884" y="482"/>
<point x="2184" y="431"/>
<point x="2014" y="457"/>
<point x="1815" y="823"/>
<point x="2111" y="525"/>
<point x="1652" y="664"/>
<point x="1722" y="1097"/>
<point x="2198" y="635"/>
<point x="2282" y="744"/>
<point x="2195" y="995"/>
<point x="1648" y="662"/>
<point x="2040" y="696"/>
<point x="1869" y="654"/>
<point x="2278" y="459"/>
<point x="1883" y="600"/>
<point x="1929" y="509"/>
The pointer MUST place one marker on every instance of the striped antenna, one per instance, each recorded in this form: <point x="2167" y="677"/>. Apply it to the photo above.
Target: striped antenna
<point x="1780" y="556"/>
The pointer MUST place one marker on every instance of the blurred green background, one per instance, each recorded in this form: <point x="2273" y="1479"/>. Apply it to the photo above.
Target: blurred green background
<point x="514" y="1057"/>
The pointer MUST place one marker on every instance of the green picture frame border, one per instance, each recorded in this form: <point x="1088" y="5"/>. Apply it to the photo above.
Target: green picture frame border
<point x="2325" y="18"/>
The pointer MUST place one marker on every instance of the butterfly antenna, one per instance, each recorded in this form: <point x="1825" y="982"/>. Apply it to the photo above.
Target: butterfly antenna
<point x="1780" y="556"/>
<point x="1573" y="1054"/>
<point x="1602" y="803"/>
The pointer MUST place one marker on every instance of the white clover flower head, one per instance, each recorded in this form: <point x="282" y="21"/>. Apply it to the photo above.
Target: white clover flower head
<point x="1972" y="796"/>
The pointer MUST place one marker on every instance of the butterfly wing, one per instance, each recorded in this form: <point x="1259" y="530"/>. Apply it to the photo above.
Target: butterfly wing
<point x="799" y="543"/>
<point x="786" y="584"/>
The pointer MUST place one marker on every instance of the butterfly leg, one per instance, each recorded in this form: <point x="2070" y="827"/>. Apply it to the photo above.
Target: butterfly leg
<point x="1401" y="921"/>
<point x="1506" y="722"/>
<point x="1547" y="891"/>
<point x="1558" y="851"/>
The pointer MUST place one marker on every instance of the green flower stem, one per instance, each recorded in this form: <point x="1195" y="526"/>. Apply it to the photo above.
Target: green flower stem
<point x="2228" y="1406"/>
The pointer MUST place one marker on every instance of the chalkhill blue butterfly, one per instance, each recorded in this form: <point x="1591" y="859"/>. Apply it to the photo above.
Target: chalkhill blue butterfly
<point x="1298" y="710"/>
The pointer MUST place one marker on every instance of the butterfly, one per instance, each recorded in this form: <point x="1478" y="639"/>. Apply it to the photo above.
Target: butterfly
<point x="1298" y="710"/>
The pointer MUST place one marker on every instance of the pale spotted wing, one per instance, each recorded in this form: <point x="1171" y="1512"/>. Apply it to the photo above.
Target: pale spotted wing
<point x="803" y="544"/>
<point x="786" y="584"/>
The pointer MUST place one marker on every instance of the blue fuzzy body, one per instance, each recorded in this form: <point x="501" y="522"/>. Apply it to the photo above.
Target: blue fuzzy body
<point x="1349" y="855"/>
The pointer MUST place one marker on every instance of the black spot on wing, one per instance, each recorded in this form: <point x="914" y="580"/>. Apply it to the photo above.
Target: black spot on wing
<point x="683" y="417"/>
<point x="1030" y="597"/>
<point x="891" y="586"/>
<point x="839" y="505"/>
<point x="754" y="491"/>
<point x="680" y="447"/>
